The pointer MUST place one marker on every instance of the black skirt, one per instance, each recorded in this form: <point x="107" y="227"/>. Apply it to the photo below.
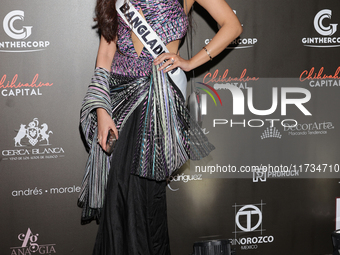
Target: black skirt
<point x="134" y="217"/>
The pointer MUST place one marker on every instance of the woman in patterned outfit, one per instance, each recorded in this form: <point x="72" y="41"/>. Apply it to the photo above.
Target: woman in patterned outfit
<point x="130" y="92"/>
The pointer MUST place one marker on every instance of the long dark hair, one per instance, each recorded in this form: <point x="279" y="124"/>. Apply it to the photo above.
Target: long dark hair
<point x="107" y="19"/>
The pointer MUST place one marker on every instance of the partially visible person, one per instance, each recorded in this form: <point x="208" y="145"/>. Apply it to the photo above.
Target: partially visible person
<point x="131" y="94"/>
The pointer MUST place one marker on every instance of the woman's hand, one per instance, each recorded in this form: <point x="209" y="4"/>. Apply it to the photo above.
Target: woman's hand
<point x="172" y="61"/>
<point x="105" y="123"/>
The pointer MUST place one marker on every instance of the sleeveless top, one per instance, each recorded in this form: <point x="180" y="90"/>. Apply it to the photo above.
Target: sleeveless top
<point x="166" y="17"/>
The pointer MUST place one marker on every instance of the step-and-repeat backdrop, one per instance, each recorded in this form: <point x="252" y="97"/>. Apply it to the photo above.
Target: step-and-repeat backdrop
<point x="270" y="105"/>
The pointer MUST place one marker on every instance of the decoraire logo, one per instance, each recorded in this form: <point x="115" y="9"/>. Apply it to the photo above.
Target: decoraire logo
<point x="11" y="25"/>
<point x="29" y="245"/>
<point x="27" y="138"/>
<point x="324" y="27"/>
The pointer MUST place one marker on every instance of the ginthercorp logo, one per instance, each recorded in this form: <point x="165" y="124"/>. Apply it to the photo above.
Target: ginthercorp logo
<point x="29" y="245"/>
<point x="248" y="221"/>
<point x="15" y="29"/>
<point x="319" y="26"/>
<point x="323" y="26"/>
<point x="9" y="28"/>
<point x="28" y="142"/>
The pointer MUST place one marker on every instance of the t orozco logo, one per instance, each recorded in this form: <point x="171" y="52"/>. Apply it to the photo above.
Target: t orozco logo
<point x="13" y="27"/>
<point x="248" y="219"/>
<point x="324" y="26"/>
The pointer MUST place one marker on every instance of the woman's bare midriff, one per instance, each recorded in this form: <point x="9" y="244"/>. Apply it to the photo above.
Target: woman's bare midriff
<point x="138" y="45"/>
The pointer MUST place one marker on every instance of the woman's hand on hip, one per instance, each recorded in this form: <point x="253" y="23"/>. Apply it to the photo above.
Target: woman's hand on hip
<point x="105" y="123"/>
<point x="171" y="61"/>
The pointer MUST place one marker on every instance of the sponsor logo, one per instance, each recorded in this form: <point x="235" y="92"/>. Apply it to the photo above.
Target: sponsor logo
<point x="29" y="245"/>
<point x="39" y="191"/>
<point x="282" y="98"/>
<point x="12" y="26"/>
<point x="11" y="31"/>
<point x="28" y="137"/>
<point x="248" y="211"/>
<point x="261" y="175"/>
<point x="248" y="222"/>
<point x="314" y="128"/>
<point x="33" y="133"/>
<point x="183" y="178"/>
<point x="239" y="43"/>
<point x="318" y="23"/>
<point x="324" y="27"/>
<point x="318" y="79"/>
<point x="17" y="88"/>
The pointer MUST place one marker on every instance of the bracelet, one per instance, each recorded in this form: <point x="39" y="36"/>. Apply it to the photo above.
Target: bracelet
<point x="208" y="53"/>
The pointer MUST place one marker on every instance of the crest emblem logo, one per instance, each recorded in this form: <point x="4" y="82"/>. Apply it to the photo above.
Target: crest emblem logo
<point x="33" y="133"/>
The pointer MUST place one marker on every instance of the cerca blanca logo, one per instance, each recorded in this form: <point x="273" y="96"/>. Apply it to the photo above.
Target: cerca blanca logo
<point x="324" y="27"/>
<point x="248" y="219"/>
<point x="33" y="133"/>
<point x="28" y="138"/>
<point x="13" y="27"/>
<point x="29" y="245"/>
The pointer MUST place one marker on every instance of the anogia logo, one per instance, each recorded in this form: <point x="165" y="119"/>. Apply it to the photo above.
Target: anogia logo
<point x="29" y="245"/>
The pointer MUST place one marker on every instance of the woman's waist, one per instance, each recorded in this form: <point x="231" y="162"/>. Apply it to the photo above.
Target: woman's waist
<point x="131" y="66"/>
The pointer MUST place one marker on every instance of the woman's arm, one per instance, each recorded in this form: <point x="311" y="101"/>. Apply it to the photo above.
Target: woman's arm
<point x="105" y="55"/>
<point x="230" y="29"/>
